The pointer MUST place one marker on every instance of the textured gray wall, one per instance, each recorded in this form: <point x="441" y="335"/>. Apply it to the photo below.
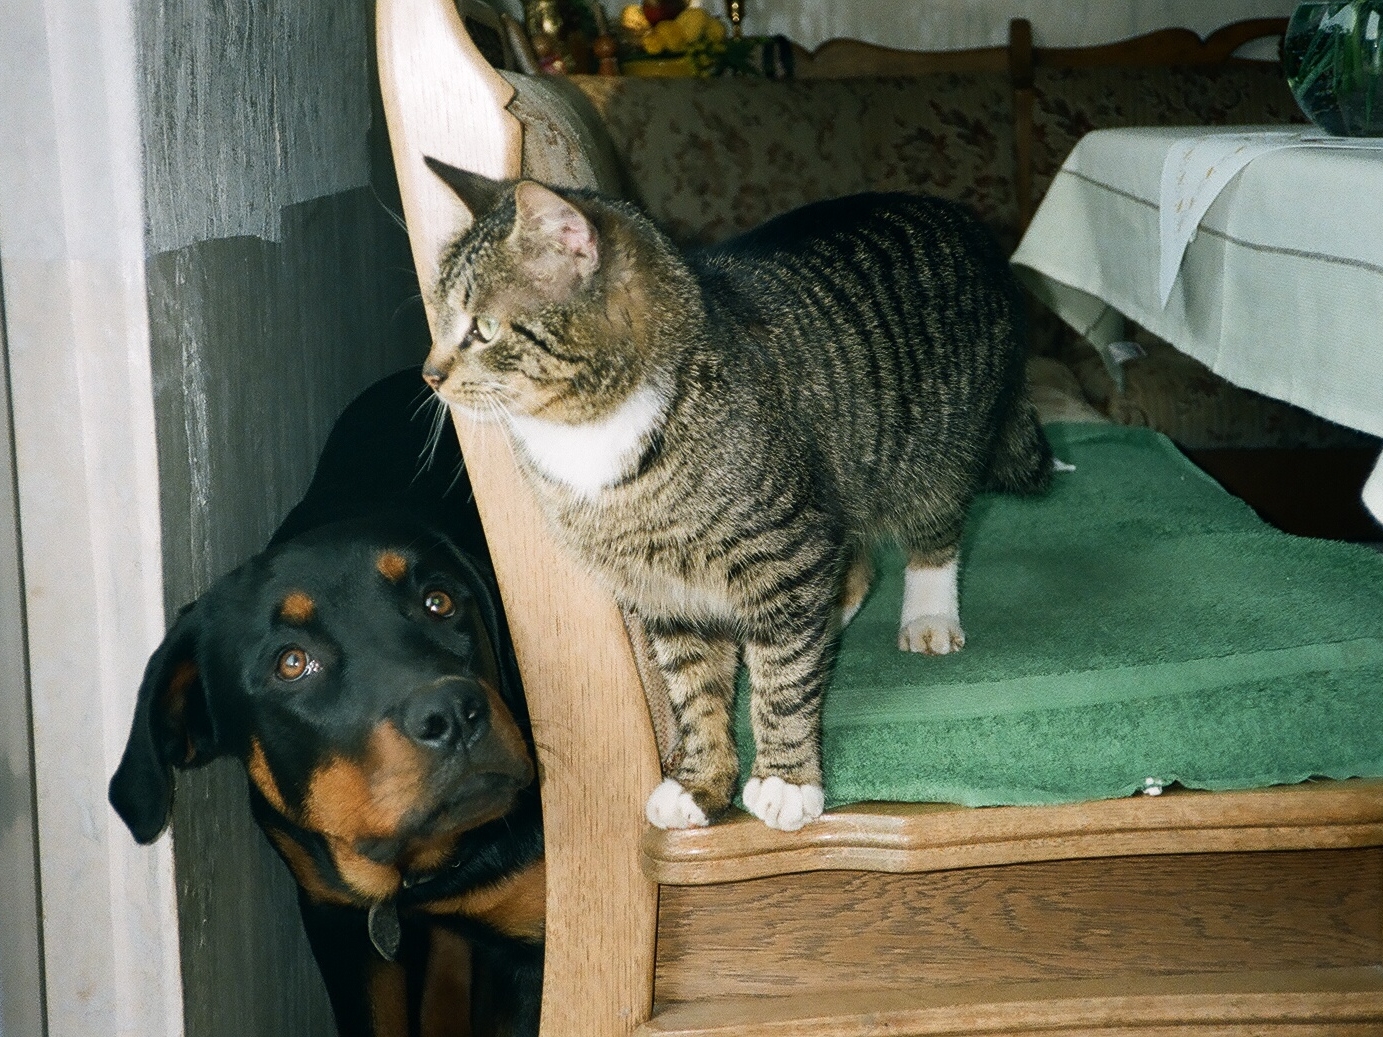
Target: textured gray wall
<point x="278" y="287"/>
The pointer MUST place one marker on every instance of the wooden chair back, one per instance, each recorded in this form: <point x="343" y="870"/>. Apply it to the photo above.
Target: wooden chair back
<point x="905" y="918"/>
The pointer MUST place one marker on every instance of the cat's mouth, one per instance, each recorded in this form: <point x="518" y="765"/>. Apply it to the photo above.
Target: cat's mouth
<point x="477" y="402"/>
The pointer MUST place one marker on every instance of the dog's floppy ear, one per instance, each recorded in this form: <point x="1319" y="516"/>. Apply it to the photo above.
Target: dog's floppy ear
<point x="172" y="728"/>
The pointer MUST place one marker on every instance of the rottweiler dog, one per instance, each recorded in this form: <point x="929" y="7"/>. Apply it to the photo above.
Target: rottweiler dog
<point x="360" y="668"/>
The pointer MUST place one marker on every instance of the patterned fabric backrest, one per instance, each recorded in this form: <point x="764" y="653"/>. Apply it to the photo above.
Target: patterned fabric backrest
<point x="711" y="158"/>
<point x="1070" y="102"/>
<point x="564" y="141"/>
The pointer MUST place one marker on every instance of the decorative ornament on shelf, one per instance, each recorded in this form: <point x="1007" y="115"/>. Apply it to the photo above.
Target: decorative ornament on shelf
<point x="1333" y="57"/>
<point x="569" y="36"/>
<point x="734" y="10"/>
<point x="670" y="38"/>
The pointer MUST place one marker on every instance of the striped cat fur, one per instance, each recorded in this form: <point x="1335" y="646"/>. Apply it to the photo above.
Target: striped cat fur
<point x="723" y="434"/>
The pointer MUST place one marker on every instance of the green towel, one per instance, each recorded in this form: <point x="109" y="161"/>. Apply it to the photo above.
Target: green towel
<point x="1135" y="625"/>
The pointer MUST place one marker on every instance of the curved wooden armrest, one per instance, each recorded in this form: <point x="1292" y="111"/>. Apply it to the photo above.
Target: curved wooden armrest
<point x="596" y="755"/>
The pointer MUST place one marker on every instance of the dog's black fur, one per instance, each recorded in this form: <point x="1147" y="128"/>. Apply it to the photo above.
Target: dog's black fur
<point x="360" y="668"/>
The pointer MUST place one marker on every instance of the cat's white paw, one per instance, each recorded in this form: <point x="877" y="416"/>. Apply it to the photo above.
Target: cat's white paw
<point x="850" y="612"/>
<point x="672" y="806"/>
<point x="931" y="635"/>
<point x="782" y="805"/>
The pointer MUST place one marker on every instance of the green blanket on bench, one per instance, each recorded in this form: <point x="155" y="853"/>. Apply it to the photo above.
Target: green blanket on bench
<point x="1136" y="625"/>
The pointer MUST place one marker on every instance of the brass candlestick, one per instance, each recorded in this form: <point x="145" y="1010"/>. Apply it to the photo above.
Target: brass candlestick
<point x="734" y="10"/>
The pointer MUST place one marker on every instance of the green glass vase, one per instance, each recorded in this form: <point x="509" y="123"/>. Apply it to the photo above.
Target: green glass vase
<point x="1333" y="57"/>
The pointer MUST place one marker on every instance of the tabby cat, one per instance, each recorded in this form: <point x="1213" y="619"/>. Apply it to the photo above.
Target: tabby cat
<point x="723" y="434"/>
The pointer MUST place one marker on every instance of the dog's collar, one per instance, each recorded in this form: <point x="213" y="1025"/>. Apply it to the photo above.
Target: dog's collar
<point x="383" y="921"/>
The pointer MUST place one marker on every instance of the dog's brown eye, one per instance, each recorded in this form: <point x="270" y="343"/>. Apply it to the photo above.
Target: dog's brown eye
<point x="439" y="604"/>
<point x="292" y="664"/>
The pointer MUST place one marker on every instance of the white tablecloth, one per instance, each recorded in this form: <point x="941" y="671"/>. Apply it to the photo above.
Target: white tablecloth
<point x="1281" y="290"/>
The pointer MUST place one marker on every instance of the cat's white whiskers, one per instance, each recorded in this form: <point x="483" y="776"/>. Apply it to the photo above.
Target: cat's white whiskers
<point x="440" y="416"/>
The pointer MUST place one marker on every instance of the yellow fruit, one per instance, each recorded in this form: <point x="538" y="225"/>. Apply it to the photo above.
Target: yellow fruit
<point x="672" y="35"/>
<point x="692" y="22"/>
<point x="715" y="30"/>
<point x="633" y="19"/>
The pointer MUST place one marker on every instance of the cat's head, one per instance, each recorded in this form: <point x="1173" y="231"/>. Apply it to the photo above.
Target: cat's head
<point x="539" y="309"/>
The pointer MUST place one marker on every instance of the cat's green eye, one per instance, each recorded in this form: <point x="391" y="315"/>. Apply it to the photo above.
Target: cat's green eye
<point x="486" y="327"/>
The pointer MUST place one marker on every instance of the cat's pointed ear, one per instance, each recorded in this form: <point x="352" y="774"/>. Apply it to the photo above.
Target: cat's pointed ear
<point x="479" y="193"/>
<point x="545" y="216"/>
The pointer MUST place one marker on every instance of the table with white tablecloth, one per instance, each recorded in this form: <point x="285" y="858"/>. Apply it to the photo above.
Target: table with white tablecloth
<point x="1280" y="289"/>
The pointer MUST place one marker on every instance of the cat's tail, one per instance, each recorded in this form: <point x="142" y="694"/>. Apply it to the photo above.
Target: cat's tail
<point x="1022" y="461"/>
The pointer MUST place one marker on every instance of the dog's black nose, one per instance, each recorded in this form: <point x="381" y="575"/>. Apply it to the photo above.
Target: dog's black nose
<point x="447" y="716"/>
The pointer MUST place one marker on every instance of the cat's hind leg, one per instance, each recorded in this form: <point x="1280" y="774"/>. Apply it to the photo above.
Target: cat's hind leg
<point x="930" y="619"/>
<point x="699" y="669"/>
<point x="858" y="580"/>
<point x="1022" y="461"/>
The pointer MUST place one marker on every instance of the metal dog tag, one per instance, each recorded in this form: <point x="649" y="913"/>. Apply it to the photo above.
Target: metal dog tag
<point x="384" y="929"/>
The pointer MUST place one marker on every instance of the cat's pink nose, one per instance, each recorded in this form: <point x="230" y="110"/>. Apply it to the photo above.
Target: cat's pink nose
<point x="433" y="376"/>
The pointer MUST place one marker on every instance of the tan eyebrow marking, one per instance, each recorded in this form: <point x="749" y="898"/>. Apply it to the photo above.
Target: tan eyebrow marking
<point x="391" y="565"/>
<point x="297" y="608"/>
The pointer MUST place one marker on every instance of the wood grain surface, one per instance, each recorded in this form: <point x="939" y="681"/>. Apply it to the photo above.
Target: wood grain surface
<point x="901" y="837"/>
<point x="1127" y="916"/>
<point x="1309" y="1003"/>
<point x="596" y="754"/>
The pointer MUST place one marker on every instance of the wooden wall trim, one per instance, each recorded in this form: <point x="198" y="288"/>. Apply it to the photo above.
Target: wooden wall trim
<point x="1165" y="47"/>
<point x="851" y="59"/>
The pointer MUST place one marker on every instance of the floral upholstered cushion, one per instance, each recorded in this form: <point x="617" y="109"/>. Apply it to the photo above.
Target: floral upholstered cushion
<point x="709" y="158"/>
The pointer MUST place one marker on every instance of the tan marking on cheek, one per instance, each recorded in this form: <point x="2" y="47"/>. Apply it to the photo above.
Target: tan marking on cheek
<point x="305" y="870"/>
<point x="516" y="905"/>
<point x="388" y="993"/>
<point x="338" y="801"/>
<point x="367" y="800"/>
<point x="258" y="768"/>
<point x="392" y="566"/>
<point x="447" y="986"/>
<point x="398" y="773"/>
<point x="348" y="801"/>
<point x="297" y="608"/>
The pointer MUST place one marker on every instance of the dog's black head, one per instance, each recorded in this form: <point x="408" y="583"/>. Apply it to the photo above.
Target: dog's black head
<point x="361" y="673"/>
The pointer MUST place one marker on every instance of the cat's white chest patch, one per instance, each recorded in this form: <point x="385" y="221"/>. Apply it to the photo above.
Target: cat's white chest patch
<point x="594" y="455"/>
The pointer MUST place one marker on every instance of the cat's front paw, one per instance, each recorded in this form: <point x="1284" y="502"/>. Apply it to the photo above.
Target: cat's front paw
<point x="781" y="804"/>
<point x="672" y="806"/>
<point x="931" y="635"/>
